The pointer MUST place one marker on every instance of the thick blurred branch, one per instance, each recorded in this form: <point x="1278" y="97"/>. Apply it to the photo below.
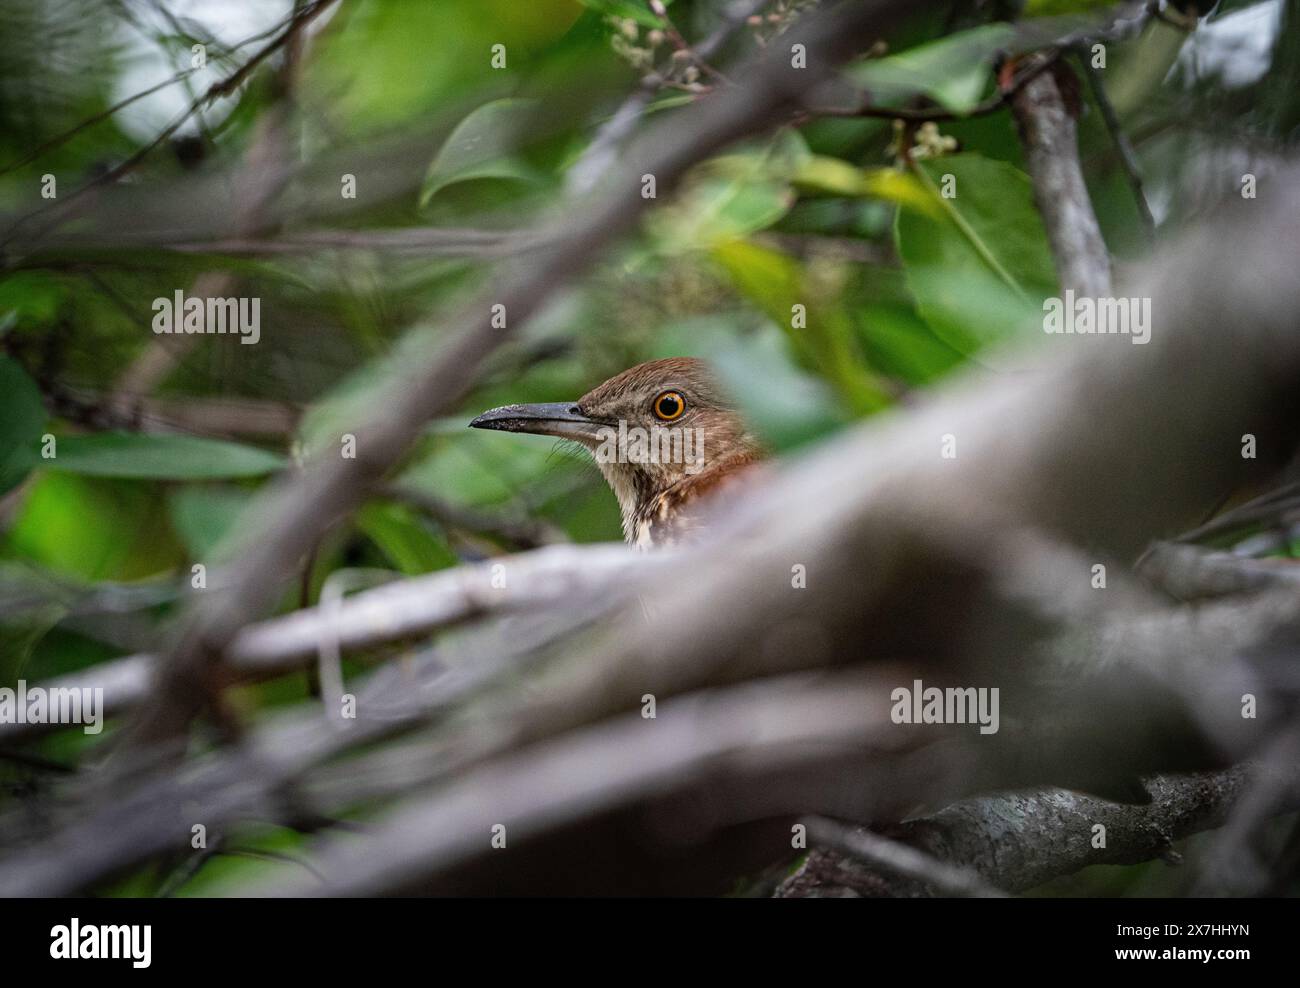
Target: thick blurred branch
<point x="395" y="612"/>
<point x="425" y="241"/>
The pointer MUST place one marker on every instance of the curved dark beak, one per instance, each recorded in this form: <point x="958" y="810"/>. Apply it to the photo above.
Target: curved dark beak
<point x="560" y="418"/>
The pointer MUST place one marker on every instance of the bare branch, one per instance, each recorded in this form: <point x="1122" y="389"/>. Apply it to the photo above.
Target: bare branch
<point x="222" y="87"/>
<point x="1123" y="146"/>
<point x="396" y="612"/>
<point x="898" y="858"/>
<point x="602" y="152"/>
<point x="1023" y="840"/>
<point x="1048" y="133"/>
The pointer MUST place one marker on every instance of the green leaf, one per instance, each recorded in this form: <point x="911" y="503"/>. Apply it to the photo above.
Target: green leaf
<point x="482" y="146"/>
<point x="954" y="71"/>
<point x="732" y="196"/>
<point x="832" y="176"/>
<point x="776" y="283"/>
<point x="1143" y="71"/>
<point x="980" y="271"/>
<point x="785" y="405"/>
<point x="467" y="467"/>
<point x="94" y="528"/>
<point x="30" y="297"/>
<point x="1037" y="8"/>
<point x="22" y="421"/>
<point x="351" y="403"/>
<point x="206" y="517"/>
<point x="166" y="457"/>
<point x="402" y="536"/>
<point x="902" y="344"/>
<point x="386" y="64"/>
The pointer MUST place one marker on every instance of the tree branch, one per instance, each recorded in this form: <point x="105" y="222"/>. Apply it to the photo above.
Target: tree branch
<point x="1020" y="841"/>
<point x="895" y="857"/>
<point x="222" y="87"/>
<point x="1123" y="146"/>
<point x="1045" y="118"/>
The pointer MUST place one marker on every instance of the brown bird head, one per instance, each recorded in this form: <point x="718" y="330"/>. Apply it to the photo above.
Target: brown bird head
<point x="663" y="433"/>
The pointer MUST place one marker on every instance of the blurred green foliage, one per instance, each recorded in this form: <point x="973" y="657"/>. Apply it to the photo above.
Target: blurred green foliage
<point x="900" y="283"/>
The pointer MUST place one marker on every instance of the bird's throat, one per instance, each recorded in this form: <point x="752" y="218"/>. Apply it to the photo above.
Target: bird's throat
<point x="633" y="489"/>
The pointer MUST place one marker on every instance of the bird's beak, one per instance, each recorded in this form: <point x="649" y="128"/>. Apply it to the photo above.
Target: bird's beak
<point x="559" y="418"/>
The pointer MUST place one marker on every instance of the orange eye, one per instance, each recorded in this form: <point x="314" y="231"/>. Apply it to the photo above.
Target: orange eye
<point x="669" y="406"/>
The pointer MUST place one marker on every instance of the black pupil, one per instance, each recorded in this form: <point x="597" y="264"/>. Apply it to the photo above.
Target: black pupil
<point x="669" y="405"/>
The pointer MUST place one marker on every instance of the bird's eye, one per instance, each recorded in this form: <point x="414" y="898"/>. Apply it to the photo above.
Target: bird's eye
<point x="669" y="406"/>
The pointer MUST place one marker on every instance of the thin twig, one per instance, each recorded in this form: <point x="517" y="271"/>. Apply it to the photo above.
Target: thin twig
<point x="425" y="241"/>
<point x="401" y="611"/>
<point x="517" y="530"/>
<point x="1123" y="147"/>
<point x="123" y="104"/>
<point x="603" y="150"/>
<point x="67" y="135"/>
<point x="680" y="43"/>
<point x="1264" y="508"/>
<point x="188" y="868"/>
<point x="222" y="87"/>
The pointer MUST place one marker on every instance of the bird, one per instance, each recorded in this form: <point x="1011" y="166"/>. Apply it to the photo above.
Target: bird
<point x="665" y="436"/>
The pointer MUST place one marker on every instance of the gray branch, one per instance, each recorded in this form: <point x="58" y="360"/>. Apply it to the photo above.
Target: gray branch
<point x="1022" y="840"/>
<point x="1050" y="139"/>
